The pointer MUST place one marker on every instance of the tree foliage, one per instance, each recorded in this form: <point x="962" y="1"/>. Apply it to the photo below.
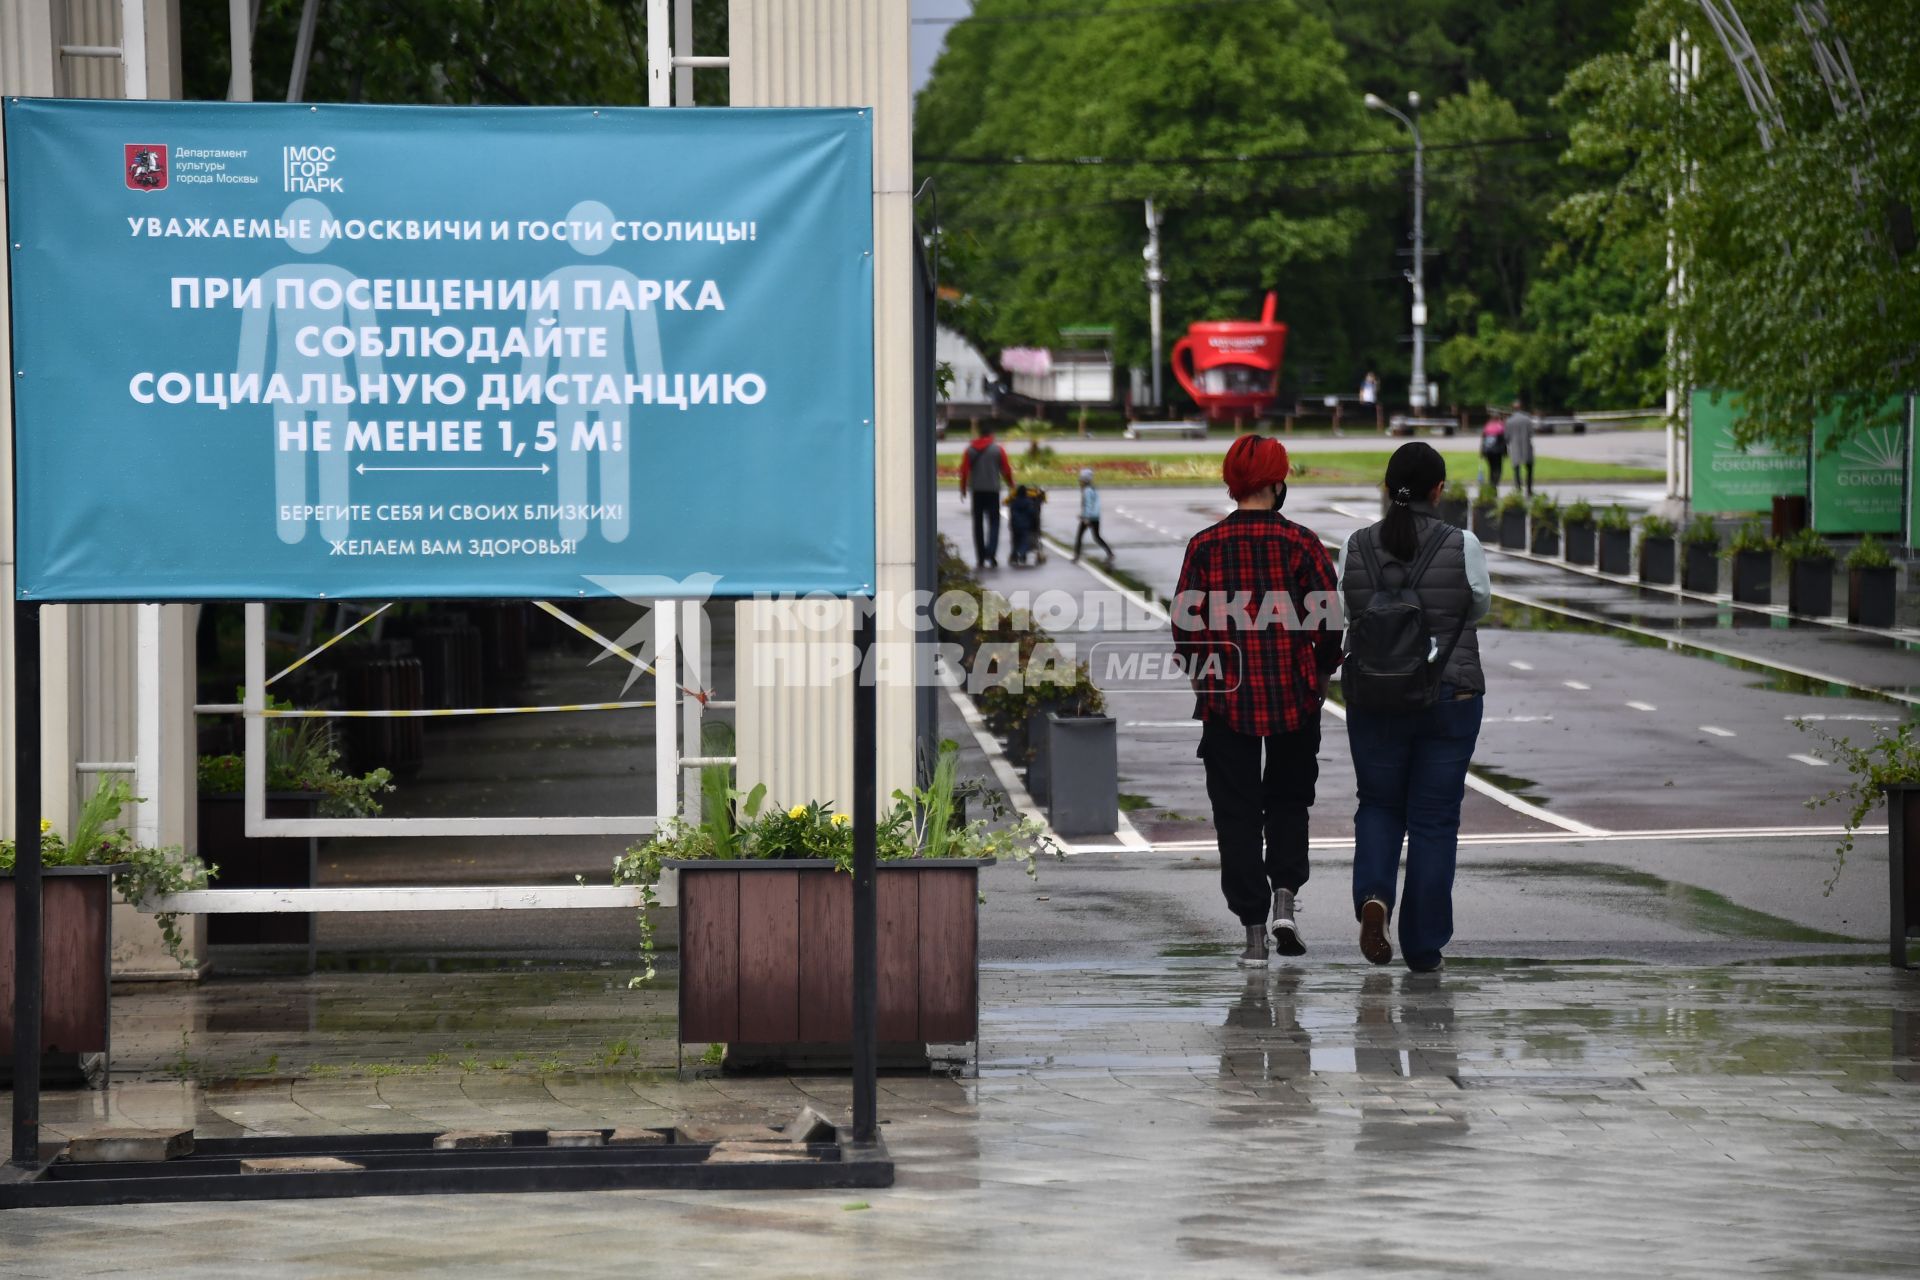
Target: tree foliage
<point x="1034" y="247"/>
<point x="1796" y="280"/>
<point x="449" y="52"/>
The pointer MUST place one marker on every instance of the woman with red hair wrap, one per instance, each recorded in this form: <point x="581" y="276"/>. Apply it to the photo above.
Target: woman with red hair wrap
<point x="1256" y="623"/>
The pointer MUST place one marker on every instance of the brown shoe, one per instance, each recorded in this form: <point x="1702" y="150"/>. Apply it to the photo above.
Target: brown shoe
<point x="1373" y="932"/>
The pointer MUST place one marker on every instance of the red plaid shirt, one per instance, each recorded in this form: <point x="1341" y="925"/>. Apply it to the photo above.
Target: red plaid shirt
<point x="1256" y="617"/>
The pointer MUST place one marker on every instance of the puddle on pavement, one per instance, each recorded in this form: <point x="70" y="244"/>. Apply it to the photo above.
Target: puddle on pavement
<point x="1685" y="905"/>
<point x="1512" y="783"/>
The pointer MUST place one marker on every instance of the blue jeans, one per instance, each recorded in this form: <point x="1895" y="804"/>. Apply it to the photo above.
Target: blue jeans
<point x="1412" y="773"/>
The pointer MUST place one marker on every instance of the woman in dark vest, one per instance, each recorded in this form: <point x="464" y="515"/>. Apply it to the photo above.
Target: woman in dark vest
<point x="1411" y="766"/>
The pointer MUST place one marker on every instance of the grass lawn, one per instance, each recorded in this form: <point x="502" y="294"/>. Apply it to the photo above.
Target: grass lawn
<point x="1062" y="470"/>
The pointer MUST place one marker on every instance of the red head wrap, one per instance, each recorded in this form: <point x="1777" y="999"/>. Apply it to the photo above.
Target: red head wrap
<point x="1253" y="463"/>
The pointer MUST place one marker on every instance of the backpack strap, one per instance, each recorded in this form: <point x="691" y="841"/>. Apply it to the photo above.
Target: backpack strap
<point x="1427" y="553"/>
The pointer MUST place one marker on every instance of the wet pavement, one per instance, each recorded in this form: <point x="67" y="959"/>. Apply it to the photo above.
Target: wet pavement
<point x="1166" y="1116"/>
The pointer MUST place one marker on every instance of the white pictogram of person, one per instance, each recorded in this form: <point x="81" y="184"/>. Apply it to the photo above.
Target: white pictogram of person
<point x="306" y="220"/>
<point x="632" y="349"/>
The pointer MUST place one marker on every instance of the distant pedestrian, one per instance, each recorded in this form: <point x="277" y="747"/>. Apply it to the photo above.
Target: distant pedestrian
<point x="982" y="467"/>
<point x="1520" y="425"/>
<point x="1370" y="389"/>
<point x="1089" y="515"/>
<point x="1493" y="448"/>
<point x="1255" y="623"/>
<point x="1412" y="586"/>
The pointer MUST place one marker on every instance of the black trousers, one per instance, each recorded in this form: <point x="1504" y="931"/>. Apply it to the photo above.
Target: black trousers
<point x="1494" y="463"/>
<point x="1256" y="803"/>
<point x="1523" y="477"/>
<point x="1093" y="527"/>
<point x="986" y="525"/>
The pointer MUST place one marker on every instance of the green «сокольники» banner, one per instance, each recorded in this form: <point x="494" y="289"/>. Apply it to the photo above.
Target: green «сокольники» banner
<point x="1859" y="482"/>
<point x="1732" y="478"/>
<point x="277" y="351"/>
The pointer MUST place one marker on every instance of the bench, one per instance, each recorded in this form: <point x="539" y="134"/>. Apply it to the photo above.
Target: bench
<point x="1144" y="430"/>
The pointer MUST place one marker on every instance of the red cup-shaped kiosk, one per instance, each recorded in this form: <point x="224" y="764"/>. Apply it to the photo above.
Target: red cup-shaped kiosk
<point x="1232" y="367"/>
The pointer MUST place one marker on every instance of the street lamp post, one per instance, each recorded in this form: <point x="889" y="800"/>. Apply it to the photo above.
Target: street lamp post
<point x="1417" y="385"/>
<point x="1155" y="278"/>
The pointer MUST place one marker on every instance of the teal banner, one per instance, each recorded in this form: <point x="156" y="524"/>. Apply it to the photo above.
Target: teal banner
<point x="1732" y="478"/>
<point x="304" y="352"/>
<point x="1859" y="483"/>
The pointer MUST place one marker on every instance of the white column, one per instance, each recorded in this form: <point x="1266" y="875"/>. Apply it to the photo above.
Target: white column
<point x="666" y="721"/>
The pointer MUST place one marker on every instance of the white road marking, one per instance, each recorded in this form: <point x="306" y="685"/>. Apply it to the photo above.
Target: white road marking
<point x="1815" y="761"/>
<point x="1563" y="838"/>
<point x="1642" y="706"/>
<point x="1575" y="684"/>
<point x="1160" y="724"/>
<point x="1717" y="731"/>
<point x="1518" y="665"/>
<point x="1873" y="719"/>
<point x="1517" y="720"/>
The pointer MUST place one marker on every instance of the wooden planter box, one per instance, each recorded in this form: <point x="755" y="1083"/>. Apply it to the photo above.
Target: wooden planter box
<point x="1870" y="596"/>
<point x="1513" y="530"/>
<point x="1579" y="541"/>
<point x="1656" y="561"/>
<point x="1810" y="587"/>
<point x="1753" y="577"/>
<point x="258" y="862"/>
<point x="766" y="955"/>
<point x="1700" y="571"/>
<point x="1546" y="540"/>
<point x="1903" y="868"/>
<point x="76" y="932"/>
<point x="1616" y="551"/>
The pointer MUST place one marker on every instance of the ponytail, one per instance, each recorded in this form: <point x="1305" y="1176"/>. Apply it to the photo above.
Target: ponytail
<point x="1413" y="471"/>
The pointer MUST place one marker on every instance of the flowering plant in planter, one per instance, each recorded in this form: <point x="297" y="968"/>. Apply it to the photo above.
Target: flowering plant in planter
<point x="300" y="757"/>
<point x="923" y="823"/>
<point x="1890" y="759"/>
<point x="141" y="871"/>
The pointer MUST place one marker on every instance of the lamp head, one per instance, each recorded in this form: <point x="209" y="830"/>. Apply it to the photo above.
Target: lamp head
<point x="1373" y="102"/>
<point x="1413" y="99"/>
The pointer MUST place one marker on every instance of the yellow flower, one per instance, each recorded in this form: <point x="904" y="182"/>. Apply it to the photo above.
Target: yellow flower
<point x="798" y="812"/>
<point x="46" y="825"/>
<point x="842" y="819"/>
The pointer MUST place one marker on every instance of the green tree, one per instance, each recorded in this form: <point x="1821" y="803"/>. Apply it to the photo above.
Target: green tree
<point x="449" y="52"/>
<point x="1800" y="285"/>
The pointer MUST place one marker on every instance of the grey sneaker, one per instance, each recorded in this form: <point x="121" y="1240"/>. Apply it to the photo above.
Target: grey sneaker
<point x="1255" y="956"/>
<point x="1286" y="930"/>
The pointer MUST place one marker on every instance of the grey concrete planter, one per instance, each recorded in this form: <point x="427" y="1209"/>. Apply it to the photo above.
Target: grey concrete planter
<point x="1513" y="530"/>
<point x="1810" y="587"/>
<point x="1656" y="561"/>
<point x="1484" y="520"/>
<point x="1753" y="577"/>
<point x="1870" y="596"/>
<point x="1454" y="512"/>
<point x="1616" y="551"/>
<point x="1700" y="571"/>
<point x="1580" y="541"/>
<point x="1546" y="540"/>
<point x="1083" y="773"/>
<point x="1903" y="868"/>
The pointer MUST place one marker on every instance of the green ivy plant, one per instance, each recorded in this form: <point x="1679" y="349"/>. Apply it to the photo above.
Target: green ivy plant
<point x="1512" y="504"/>
<point x="1870" y="554"/>
<point x="923" y="823"/>
<point x="1805" y="546"/>
<point x="1891" y="757"/>
<point x="1579" y="511"/>
<point x="1544" y="512"/>
<point x="300" y="757"/>
<point x="1488" y="497"/>
<point x="1701" y="532"/>
<point x="1751" y="536"/>
<point x="1456" y="491"/>
<point x="96" y="841"/>
<point x="1615" y="517"/>
<point x="1653" y="527"/>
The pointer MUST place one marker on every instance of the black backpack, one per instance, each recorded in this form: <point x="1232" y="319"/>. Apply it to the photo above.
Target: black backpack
<point x="1388" y="641"/>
